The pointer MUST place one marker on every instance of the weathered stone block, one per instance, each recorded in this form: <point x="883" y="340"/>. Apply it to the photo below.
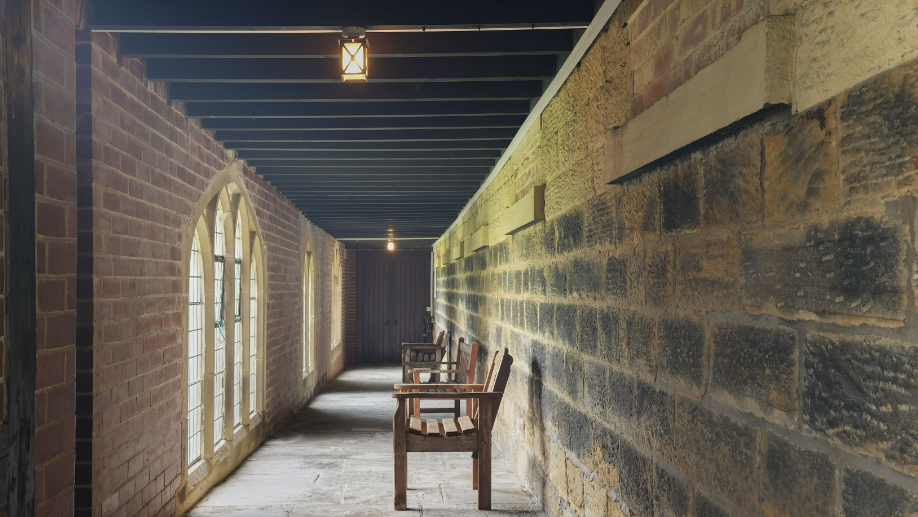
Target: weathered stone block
<point x="878" y="133"/>
<point x="801" y="164"/>
<point x="654" y="411"/>
<point x="718" y="452"/>
<point x="537" y="282"/>
<point x="605" y="452"/>
<point x="639" y="356"/>
<point x="549" y="239"/>
<point x="586" y="277"/>
<point x="862" y="393"/>
<point x="570" y="231"/>
<point x="636" y="471"/>
<point x="680" y="189"/>
<point x="707" y="273"/>
<point x="637" y="207"/>
<point x="600" y="224"/>
<point x="532" y="316"/>
<point x="704" y="507"/>
<point x="587" y="330"/>
<point x="796" y="482"/>
<point x="681" y="354"/>
<point x="572" y="379"/>
<point x="621" y="395"/>
<point x="557" y="279"/>
<point x="844" y="271"/>
<point x="754" y="368"/>
<point x="611" y="339"/>
<point x="595" y="388"/>
<point x="547" y="319"/>
<point x="617" y="277"/>
<point x="659" y="275"/>
<point x="566" y="324"/>
<point x="672" y="497"/>
<point x="581" y="434"/>
<point x="866" y="495"/>
<point x="732" y="184"/>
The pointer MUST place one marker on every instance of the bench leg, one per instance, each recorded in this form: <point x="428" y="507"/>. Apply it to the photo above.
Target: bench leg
<point x="401" y="457"/>
<point x="485" y="421"/>
<point x="474" y="471"/>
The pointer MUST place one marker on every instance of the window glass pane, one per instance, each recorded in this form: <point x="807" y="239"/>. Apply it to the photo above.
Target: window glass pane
<point x="237" y="334"/>
<point x="219" y="323"/>
<point x="253" y="335"/>
<point x="195" y="352"/>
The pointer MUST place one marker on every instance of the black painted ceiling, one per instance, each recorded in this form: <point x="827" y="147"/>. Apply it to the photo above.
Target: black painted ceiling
<point x="397" y="156"/>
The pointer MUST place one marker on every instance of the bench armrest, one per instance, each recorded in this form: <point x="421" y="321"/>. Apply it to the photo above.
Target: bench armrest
<point x="473" y="387"/>
<point x="488" y="395"/>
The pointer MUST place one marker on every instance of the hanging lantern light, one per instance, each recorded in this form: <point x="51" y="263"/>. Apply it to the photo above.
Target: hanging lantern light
<point x="354" y="49"/>
<point x="391" y="245"/>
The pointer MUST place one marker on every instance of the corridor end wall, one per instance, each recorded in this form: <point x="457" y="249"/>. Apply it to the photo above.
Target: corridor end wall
<point x="731" y="331"/>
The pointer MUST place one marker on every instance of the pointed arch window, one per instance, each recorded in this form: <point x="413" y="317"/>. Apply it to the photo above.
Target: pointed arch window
<point x="309" y="314"/>
<point x="253" y="335"/>
<point x="195" y="351"/>
<point x="237" y="335"/>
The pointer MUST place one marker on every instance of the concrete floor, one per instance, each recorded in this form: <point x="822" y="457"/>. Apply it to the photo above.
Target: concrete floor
<point x="334" y="458"/>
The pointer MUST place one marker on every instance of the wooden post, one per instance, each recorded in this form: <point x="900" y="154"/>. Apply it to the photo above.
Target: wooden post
<point x="400" y="449"/>
<point x="485" y="422"/>
<point x="20" y="255"/>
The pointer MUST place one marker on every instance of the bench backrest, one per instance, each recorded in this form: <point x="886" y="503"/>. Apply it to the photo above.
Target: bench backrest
<point x="467" y="360"/>
<point x="439" y="341"/>
<point x="498" y="374"/>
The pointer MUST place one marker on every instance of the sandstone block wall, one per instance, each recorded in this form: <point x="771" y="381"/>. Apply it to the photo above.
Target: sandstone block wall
<point x="731" y="333"/>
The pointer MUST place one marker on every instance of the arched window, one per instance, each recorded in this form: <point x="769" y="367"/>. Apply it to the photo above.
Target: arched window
<point x="309" y="314"/>
<point x="219" y="321"/>
<point x="195" y="351"/>
<point x="224" y="279"/>
<point x="253" y="335"/>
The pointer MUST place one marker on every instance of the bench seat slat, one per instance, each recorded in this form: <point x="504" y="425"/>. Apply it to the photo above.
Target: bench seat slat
<point x="433" y="427"/>
<point x="415" y="425"/>
<point x="466" y="424"/>
<point x="449" y="426"/>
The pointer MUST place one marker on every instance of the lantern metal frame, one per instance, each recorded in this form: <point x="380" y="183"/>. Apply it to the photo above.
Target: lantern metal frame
<point x="354" y="54"/>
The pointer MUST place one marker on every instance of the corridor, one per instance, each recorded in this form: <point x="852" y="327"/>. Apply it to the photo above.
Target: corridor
<point x="334" y="458"/>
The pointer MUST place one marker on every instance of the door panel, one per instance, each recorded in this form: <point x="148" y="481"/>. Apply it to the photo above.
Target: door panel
<point x="393" y="287"/>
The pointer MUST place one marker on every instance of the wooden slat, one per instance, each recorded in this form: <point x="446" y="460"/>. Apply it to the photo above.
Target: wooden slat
<point x="459" y="443"/>
<point x="466" y="424"/>
<point x="415" y="424"/>
<point x="433" y="427"/>
<point x="449" y="426"/>
<point x="400" y="449"/>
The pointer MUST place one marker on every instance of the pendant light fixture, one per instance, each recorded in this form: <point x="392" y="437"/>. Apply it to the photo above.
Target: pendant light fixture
<point x="354" y="50"/>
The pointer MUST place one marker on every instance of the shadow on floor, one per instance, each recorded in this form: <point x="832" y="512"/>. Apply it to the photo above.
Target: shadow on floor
<point x="334" y="458"/>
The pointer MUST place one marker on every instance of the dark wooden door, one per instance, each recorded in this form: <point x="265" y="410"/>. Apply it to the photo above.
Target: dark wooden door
<point x="393" y="293"/>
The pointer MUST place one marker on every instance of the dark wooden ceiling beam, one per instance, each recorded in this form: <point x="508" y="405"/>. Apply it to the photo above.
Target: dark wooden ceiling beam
<point x="296" y="15"/>
<point x="270" y="173"/>
<point x="354" y="91"/>
<point x="496" y="144"/>
<point x="369" y="135"/>
<point x="318" y="45"/>
<point x="367" y="155"/>
<point x="326" y="124"/>
<point x="353" y="109"/>
<point x="423" y="69"/>
<point x="373" y="164"/>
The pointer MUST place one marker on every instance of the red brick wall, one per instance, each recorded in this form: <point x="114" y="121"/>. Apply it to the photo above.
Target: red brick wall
<point x="54" y="86"/>
<point x="144" y="166"/>
<point x="671" y="40"/>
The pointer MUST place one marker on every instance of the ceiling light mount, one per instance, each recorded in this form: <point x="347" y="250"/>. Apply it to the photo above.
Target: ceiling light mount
<point x="354" y="50"/>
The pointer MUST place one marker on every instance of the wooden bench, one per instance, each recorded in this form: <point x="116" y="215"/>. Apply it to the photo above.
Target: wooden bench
<point x="463" y="373"/>
<point x="469" y="433"/>
<point x="422" y="355"/>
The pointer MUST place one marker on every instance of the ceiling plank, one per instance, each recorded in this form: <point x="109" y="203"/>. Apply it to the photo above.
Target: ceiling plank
<point x="355" y="91"/>
<point x="382" y="146"/>
<point x="324" y="124"/>
<point x="373" y="164"/>
<point x="369" y="135"/>
<point x="366" y="155"/>
<point x="325" y="45"/>
<point x="291" y="15"/>
<point x="380" y="172"/>
<point x="353" y="109"/>
<point x="427" y="69"/>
